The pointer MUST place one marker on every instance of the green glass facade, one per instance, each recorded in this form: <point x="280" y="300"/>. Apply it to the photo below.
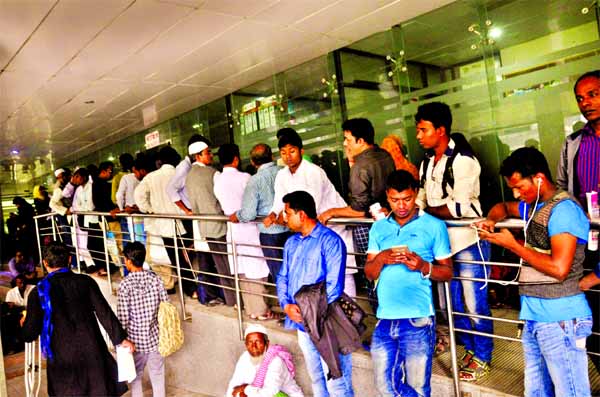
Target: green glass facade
<point x="506" y="68"/>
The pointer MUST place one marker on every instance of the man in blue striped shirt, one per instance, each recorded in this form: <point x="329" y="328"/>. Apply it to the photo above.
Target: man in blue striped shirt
<point x="258" y="201"/>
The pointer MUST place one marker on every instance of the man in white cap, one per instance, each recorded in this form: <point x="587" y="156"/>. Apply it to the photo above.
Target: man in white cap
<point x="199" y="184"/>
<point x="263" y="370"/>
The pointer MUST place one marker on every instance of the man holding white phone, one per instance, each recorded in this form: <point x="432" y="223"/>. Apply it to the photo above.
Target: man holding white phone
<point x="402" y="250"/>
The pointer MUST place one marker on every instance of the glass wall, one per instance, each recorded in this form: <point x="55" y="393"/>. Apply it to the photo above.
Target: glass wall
<point x="506" y="68"/>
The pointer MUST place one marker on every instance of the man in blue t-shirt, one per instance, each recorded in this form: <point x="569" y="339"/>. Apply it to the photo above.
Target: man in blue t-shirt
<point x="557" y="316"/>
<point x="402" y="249"/>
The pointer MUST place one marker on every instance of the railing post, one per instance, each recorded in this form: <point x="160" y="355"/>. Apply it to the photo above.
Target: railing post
<point x="39" y="245"/>
<point x="54" y="227"/>
<point x="105" y="230"/>
<point x="236" y="278"/>
<point x="178" y="265"/>
<point x="76" y="242"/>
<point x="453" y="359"/>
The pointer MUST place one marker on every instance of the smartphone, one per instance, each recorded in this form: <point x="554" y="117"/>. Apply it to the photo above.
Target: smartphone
<point x="480" y="230"/>
<point x="401" y="249"/>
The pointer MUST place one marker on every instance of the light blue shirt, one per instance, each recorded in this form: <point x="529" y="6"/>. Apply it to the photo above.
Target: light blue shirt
<point x="566" y="217"/>
<point x="404" y="293"/>
<point x="309" y="260"/>
<point x="176" y="188"/>
<point x="258" y="198"/>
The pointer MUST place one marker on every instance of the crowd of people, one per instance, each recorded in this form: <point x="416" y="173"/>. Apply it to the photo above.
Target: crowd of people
<point x="306" y="256"/>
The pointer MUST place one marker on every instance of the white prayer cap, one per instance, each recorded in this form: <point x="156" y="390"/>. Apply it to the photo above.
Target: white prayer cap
<point x="196" y="147"/>
<point x="58" y="172"/>
<point x="252" y="328"/>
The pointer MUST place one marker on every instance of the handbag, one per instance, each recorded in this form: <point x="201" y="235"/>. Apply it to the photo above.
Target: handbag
<point x="170" y="333"/>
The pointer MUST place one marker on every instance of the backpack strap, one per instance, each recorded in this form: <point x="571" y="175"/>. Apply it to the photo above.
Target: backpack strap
<point x="424" y="166"/>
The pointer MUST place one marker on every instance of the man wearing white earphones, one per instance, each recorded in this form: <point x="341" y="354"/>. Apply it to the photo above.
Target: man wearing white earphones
<point x="557" y="316"/>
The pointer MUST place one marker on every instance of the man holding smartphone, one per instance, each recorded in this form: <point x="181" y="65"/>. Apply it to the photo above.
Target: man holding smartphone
<point x="402" y="250"/>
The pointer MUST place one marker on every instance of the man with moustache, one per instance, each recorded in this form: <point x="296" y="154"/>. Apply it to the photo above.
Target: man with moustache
<point x="263" y="370"/>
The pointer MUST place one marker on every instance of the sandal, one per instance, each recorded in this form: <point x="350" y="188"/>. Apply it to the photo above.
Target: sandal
<point x="466" y="359"/>
<point x="269" y="316"/>
<point x="475" y="371"/>
<point x="442" y="345"/>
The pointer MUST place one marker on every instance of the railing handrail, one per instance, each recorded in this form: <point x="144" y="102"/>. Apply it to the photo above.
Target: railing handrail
<point x="510" y="223"/>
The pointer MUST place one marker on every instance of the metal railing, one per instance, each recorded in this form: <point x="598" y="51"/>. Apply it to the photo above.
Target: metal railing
<point x="183" y="243"/>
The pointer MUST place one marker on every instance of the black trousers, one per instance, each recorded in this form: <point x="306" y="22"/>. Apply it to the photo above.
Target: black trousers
<point x="222" y="264"/>
<point x="187" y="275"/>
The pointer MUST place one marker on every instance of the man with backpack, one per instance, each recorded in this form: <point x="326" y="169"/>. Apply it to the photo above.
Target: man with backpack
<point x="139" y="298"/>
<point x="450" y="190"/>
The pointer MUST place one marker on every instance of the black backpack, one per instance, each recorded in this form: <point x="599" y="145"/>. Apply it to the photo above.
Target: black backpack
<point x="461" y="146"/>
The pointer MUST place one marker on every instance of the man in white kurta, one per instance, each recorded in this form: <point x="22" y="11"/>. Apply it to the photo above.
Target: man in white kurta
<point x="302" y="175"/>
<point x="151" y="197"/>
<point x="82" y="201"/>
<point x="229" y="189"/>
<point x="263" y="370"/>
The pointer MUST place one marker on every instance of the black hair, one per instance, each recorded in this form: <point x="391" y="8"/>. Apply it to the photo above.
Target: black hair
<point x="198" y="138"/>
<point x="126" y="161"/>
<point x="301" y="201"/>
<point x="360" y="128"/>
<point x="135" y="252"/>
<point x="288" y="136"/>
<point x="261" y="154"/>
<point x="21" y="277"/>
<point x="141" y="162"/>
<point x="228" y="152"/>
<point x="168" y="155"/>
<point x="437" y="113"/>
<point x="401" y="180"/>
<point x="93" y="170"/>
<point x="592" y="73"/>
<point x="83" y="172"/>
<point x="19" y="200"/>
<point x="527" y="161"/>
<point x="105" y="165"/>
<point x="57" y="254"/>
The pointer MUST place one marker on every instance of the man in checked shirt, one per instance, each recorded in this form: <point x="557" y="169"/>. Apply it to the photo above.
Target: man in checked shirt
<point x="139" y="297"/>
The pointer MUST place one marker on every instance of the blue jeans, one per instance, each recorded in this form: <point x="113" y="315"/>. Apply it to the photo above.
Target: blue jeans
<point x="124" y="232"/>
<point x="469" y="297"/>
<point x="556" y="362"/>
<point x="273" y="240"/>
<point x="402" y="352"/>
<point x="317" y="371"/>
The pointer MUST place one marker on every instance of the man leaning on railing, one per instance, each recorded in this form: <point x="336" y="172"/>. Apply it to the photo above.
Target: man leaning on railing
<point x="557" y="316"/>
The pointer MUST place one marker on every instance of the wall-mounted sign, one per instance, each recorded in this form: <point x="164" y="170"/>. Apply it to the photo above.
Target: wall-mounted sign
<point x="152" y="139"/>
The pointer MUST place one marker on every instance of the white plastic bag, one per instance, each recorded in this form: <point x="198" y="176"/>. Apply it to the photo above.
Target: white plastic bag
<point x="125" y="364"/>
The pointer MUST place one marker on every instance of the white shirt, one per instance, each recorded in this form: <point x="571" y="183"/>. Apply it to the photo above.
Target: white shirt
<point x="312" y="179"/>
<point x="278" y="379"/>
<point x="82" y="201"/>
<point x="56" y="204"/>
<point x="14" y="296"/>
<point x="229" y="189"/>
<point x="462" y="197"/>
<point x="125" y="193"/>
<point x="151" y="197"/>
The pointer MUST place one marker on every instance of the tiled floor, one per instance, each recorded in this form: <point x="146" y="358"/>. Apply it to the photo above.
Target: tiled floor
<point x="15" y="382"/>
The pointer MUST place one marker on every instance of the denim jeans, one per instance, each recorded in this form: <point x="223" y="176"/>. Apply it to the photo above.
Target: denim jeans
<point x="556" y="361"/>
<point x="402" y="352"/>
<point x="317" y="371"/>
<point x="469" y="297"/>
<point x="273" y="240"/>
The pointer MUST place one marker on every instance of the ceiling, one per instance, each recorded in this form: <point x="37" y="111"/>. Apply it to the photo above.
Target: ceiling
<point x="74" y="73"/>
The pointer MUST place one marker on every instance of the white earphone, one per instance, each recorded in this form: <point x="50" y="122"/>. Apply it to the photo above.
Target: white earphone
<point x="539" y="181"/>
